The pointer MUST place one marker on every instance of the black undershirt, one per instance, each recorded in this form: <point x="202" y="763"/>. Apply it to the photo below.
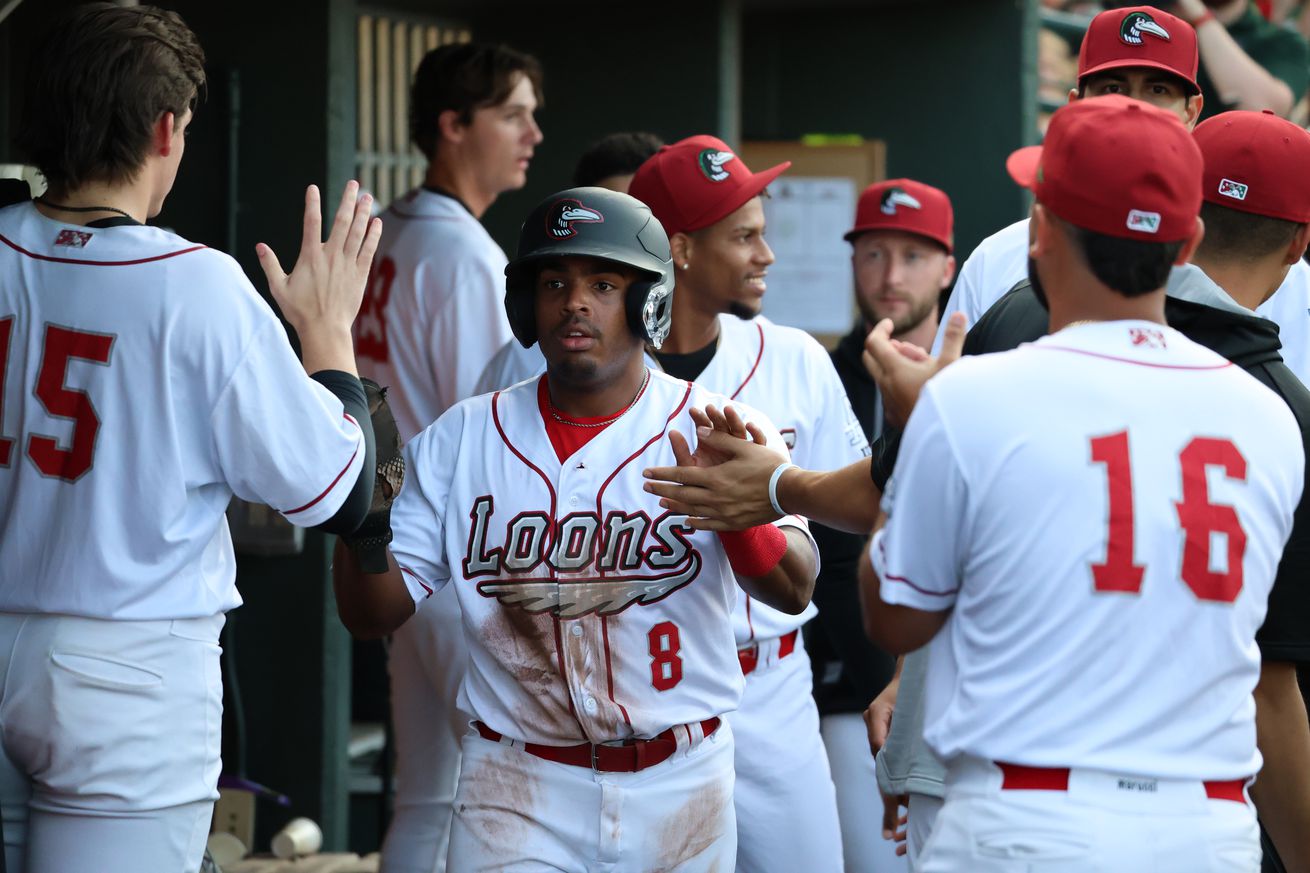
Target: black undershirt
<point x="687" y="366"/>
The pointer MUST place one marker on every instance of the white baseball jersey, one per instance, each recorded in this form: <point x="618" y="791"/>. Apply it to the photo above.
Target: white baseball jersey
<point x="787" y="375"/>
<point x="1289" y="308"/>
<point x="434" y="311"/>
<point x="1104" y="509"/>
<point x="144" y="383"/>
<point x="510" y="365"/>
<point x="994" y="267"/>
<point x="590" y="613"/>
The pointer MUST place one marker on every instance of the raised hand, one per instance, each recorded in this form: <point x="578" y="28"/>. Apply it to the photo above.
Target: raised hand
<point x="901" y="369"/>
<point x="322" y="294"/>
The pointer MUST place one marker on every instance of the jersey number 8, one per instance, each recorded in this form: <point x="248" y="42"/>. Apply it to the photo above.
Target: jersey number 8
<point x="1198" y="517"/>
<point x="61" y="345"/>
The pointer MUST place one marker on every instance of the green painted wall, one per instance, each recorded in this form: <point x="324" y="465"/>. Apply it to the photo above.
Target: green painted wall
<point x="946" y="84"/>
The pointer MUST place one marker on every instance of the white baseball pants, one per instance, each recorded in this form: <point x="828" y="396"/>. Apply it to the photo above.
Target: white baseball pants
<point x="426" y="660"/>
<point x="517" y="813"/>
<point x="1104" y="822"/>
<point x="786" y="803"/>
<point x="859" y="805"/>
<point x="111" y="742"/>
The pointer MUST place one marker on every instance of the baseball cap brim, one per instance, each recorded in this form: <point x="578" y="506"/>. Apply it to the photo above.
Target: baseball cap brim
<point x="1022" y="166"/>
<point x="1126" y="63"/>
<point x="865" y="228"/>
<point x="739" y="197"/>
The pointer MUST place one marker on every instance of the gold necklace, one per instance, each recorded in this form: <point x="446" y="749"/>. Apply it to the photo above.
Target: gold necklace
<point x="555" y="415"/>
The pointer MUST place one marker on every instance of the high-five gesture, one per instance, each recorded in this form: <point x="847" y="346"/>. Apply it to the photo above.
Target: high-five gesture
<point x="322" y="294"/>
<point x="901" y="369"/>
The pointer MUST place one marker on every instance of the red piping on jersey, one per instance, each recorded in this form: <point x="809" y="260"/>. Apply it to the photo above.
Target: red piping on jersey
<point x="600" y="495"/>
<point x="22" y="251"/>
<point x="417" y="579"/>
<point x="749" y="624"/>
<point x="1131" y="361"/>
<point x="550" y="534"/>
<point x="890" y="578"/>
<point x="328" y="489"/>
<point x="756" y="366"/>
<point x="609" y="667"/>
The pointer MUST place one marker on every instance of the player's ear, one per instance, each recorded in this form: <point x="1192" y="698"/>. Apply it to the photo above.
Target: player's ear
<point x="162" y="135"/>
<point x="948" y="272"/>
<point x="1300" y="240"/>
<point x="681" y="245"/>
<point x="450" y="126"/>
<point x="1189" y="247"/>
<point x="1040" y="230"/>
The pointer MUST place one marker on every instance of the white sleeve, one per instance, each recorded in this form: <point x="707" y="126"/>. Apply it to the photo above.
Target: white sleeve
<point x="418" y="517"/>
<point x="964" y="296"/>
<point x="468" y="330"/>
<point x="919" y="553"/>
<point x="837" y="438"/>
<point x="283" y="439"/>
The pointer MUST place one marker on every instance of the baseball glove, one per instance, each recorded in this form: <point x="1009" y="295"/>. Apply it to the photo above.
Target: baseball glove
<point x="370" y="540"/>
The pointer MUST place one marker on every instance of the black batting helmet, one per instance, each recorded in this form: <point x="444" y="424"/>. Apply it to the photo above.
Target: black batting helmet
<point x="595" y="223"/>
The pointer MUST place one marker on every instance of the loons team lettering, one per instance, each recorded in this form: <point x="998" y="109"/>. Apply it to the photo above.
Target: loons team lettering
<point x="587" y="564"/>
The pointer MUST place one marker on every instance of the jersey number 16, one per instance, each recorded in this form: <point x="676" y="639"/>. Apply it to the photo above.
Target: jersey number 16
<point x="1198" y="517"/>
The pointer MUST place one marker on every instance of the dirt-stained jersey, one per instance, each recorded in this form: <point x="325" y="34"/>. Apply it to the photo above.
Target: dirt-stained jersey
<point x="590" y="612"/>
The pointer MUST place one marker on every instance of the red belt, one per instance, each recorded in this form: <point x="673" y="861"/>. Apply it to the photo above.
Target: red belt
<point x="630" y="757"/>
<point x="1016" y="777"/>
<point x="750" y="656"/>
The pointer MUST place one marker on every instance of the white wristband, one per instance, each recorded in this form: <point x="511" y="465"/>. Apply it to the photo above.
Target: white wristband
<point x="773" y="485"/>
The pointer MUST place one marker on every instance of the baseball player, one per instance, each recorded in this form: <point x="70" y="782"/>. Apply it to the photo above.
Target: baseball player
<point x="143" y="382"/>
<point x="1248" y="246"/>
<point x="431" y="320"/>
<point x="901" y="247"/>
<point x="1149" y="55"/>
<point x="608" y="163"/>
<point x="1172" y="502"/>
<point x="601" y="653"/>
<point x="710" y="203"/>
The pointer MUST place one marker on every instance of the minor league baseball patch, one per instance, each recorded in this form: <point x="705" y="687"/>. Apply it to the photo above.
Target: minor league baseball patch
<point x="1144" y="222"/>
<point x="73" y="239"/>
<point x="1235" y="190"/>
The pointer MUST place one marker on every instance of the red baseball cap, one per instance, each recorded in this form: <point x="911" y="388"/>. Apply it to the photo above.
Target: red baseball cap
<point x="1140" y="36"/>
<point x="1116" y="166"/>
<point x="1256" y="162"/>
<point x="906" y="205"/>
<point x="697" y="181"/>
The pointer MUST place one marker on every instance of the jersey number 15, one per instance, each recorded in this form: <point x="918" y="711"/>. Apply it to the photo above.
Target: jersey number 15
<point x="1198" y="517"/>
<point x="61" y="345"/>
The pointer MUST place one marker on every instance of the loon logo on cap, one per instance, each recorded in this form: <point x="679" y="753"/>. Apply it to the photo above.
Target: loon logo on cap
<point x="565" y="213"/>
<point x="1134" y="28"/>
<point x="1235" y="190"/>
<point x="1144" y="222"/>
<point x="711" y="163"/>
<point x="894" y="197"/>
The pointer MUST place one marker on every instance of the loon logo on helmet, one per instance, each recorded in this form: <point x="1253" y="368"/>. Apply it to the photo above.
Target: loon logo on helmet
<point x="565" y="213"/>
<point x="1135" y="26"/>
<point x="711" y="163"/>
<point x="894" y="197"/>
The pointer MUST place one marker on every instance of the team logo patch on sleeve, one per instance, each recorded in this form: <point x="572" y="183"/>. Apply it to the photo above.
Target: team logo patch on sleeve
<point x="1144" y="222"/>
<point x="566" y="213"/>
<point x="894" y="197"/>
<point x="1235" y="190"/>
<point x="711" y="163"/>
<point x="73" y="239"/>
<point x="1136" y="27"/>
